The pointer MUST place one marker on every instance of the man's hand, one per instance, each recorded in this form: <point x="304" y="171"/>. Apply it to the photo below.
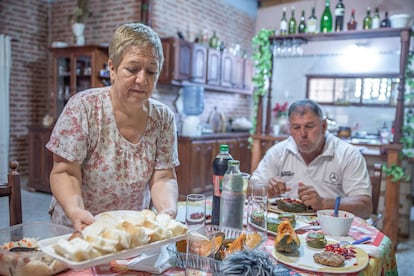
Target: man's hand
<point x="277" y="187"/>
<point x="310" y="197"/>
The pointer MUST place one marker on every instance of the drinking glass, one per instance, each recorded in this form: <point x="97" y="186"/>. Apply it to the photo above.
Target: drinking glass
<point x="246" y="177"/>
<point x="257" y="214"/>
<point x="200" y="251"/>
<point x="195" y="214"/>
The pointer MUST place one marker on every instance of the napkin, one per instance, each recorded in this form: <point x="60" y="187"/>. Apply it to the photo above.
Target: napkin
<point x="371" y="250"/>
<point x="154" y="260"/>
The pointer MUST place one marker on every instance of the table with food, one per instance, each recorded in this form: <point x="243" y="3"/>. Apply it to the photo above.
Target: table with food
<point x="296" y="242"/>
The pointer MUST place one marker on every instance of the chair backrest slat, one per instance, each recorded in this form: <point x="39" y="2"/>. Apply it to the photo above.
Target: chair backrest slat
<point x="13" y="190"/>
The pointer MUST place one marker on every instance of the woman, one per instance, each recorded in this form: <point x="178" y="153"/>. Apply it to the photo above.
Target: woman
<point x="115" y="148"/>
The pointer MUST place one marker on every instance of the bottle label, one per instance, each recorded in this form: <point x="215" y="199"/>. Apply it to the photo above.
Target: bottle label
<point x="339" y="11"/>
<point x="375" y="23"/>
<point x="312" y="26"/>
<point x="217" y="182"/>
<point x="283" y="26"/>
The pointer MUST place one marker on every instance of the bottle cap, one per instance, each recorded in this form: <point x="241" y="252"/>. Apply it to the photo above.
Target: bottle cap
<point x="224" y="147"/>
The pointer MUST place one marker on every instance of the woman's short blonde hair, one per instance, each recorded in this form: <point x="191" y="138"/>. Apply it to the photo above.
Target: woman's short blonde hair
<point x="134" y="34"/>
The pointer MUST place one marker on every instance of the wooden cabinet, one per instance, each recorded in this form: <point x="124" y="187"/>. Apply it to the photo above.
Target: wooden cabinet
<point x="213" y="66"/>
<point x="76" y="68"/>
<point x="177" y="60"/>
<point x="41" y="159"/>
<point x="226" y="72"/>
<point x="199" y="64"/>
<point x="197" y="154"/>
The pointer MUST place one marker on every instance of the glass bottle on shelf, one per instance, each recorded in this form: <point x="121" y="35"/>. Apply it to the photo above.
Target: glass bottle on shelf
<point x="302" y="24"/>
<point x="214" y="41"/>
<point x="385" y="23"/>
<point x="292" y="22"/>
<point x="352" y="23"/>
<point x="312" y="23"/>
<point x="326" y="18"/>
<point x="376" y="20"/>
<point x="283" y="23"/>
<point x="367" y="23"/>
<point x="339" y="16"/>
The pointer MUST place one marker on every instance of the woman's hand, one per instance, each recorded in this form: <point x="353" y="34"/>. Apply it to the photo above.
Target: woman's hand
<point x="169" y="211"/>
<point x="80" y="218"/>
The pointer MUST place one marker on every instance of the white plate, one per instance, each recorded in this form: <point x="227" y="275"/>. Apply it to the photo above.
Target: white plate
<point x="299" y="223"/>
<point x="303" y="259"/>
<point x="46" y="246"/>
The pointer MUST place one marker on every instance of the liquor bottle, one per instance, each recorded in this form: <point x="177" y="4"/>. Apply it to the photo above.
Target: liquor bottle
<point x="219" y="169"/>
<point x="283" y="24"/>
<point x="292" y="22"/>
<point x="385" y="23"/>
<point x="213" y="41"/>
<point x="339" y="16"/>
<point x="302" y="24"/>
<point x="312" y="23"/>
<point x="367" y="23"/>
<point x="376" y="21"/>
<point x="326" y="18"/>
<point x="232" y="197"/>
<point x="352" y="24"/>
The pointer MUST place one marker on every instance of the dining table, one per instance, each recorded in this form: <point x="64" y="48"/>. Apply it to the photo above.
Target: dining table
<point x="379" y="248"/>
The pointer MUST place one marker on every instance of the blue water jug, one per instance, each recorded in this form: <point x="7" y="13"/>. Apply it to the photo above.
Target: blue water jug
<point x="193" y="99"/>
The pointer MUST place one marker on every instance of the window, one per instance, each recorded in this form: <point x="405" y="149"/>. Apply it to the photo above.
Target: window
<point x="379" y="90"/>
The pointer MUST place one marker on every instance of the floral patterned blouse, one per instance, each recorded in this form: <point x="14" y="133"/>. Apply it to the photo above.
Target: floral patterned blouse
<point x="115" y="172"/>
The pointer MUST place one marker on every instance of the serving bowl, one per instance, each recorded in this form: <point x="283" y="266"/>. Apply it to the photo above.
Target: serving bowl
<point x="335" y="226"/>
<point x="31" y="263"/>
<point x="401" y="20"/>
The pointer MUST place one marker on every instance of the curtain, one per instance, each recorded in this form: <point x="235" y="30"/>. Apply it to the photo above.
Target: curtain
<point x="5" y="65"/>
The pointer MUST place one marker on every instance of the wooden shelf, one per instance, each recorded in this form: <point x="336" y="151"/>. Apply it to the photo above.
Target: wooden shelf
<point x="361" y="34"/>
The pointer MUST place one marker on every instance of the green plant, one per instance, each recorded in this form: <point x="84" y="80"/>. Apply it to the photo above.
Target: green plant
<point x="262" y="57"/>
<point x="80" y="12"/>
<point x="397" y="172"/>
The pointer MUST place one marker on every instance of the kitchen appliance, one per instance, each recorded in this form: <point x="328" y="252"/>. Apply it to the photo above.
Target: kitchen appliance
<point x="193" y="106"/>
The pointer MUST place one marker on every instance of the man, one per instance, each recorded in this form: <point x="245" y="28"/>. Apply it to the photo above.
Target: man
<point x="316" y="166"/>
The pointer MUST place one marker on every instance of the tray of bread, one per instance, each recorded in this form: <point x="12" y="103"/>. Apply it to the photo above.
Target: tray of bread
<point x="114" y="235"/>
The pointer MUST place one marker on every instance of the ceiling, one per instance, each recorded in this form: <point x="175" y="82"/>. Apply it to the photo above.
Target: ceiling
<point x="268" y="3"/>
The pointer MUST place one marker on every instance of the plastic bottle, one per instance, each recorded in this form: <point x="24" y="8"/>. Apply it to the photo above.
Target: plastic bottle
<point x="219" y="169"/>
<point x="232" y="197"/>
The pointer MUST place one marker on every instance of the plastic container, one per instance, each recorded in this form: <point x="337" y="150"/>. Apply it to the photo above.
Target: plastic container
<point x="335" y="226"/>
<point x="193" y="99"/>
<point x="32" y="263"/>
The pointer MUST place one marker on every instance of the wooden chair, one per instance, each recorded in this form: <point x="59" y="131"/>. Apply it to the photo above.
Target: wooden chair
<point x="376" y="177"/>
<point x="13" y="191"/>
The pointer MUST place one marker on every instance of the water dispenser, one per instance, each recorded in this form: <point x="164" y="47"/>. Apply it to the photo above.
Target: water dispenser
<point x="193" y="106"/>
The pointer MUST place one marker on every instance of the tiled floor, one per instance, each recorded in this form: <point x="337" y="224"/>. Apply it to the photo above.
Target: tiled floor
<point x="35" y="208"/>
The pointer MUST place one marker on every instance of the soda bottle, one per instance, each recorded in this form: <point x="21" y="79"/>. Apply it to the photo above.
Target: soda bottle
<point x="219" y="169"/>
<point x="232" y="197"/>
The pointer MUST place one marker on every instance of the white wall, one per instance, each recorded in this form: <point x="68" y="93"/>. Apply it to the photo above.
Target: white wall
<point x="380" y="56"/>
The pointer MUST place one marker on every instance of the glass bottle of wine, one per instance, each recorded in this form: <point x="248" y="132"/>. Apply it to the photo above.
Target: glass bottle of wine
<point x="292" y="22"/>
<point x="367" y="23"/>
<point x="283" y="23"/>
<point x="385" y="23"/>
<point x="352" y="23"/>
<point x="339" y="16"/>
<point x="376" y="20"/>
<point x="326" y="18"/>
<point x="312" y="23"/>
<point x="302" y="23"/>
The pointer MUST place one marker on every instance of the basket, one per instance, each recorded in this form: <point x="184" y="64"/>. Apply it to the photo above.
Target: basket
<point x="179" y="259"/>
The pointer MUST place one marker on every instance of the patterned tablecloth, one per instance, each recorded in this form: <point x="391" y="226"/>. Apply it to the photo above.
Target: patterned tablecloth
<point x="383" y="264"/>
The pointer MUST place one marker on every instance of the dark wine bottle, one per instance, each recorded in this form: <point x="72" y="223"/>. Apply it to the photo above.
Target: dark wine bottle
<point x="385" y="23"/>
<point x="219" y="169"/>
<point x="292" y="22"/>
<point x="302" y="24"/>
<point x="339" y="16"/>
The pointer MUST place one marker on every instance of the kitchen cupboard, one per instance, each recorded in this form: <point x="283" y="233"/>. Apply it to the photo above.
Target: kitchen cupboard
<point x="196" y="156"/>
<point x="41" y="160"/>
<point x="76" y="68"/>
<point x="192" y="63"/>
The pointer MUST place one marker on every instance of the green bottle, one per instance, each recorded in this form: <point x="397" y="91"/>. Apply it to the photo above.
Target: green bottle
<point x="367" y="23"/>
<point x="302" y="24"/>
<point x="292" y="23"/>
<point x="326" y="18"/>
<point x="283" y="24"/>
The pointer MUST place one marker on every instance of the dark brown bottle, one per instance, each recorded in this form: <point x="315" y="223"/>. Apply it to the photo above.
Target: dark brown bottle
<point x="385" y="23"/>
<point x="352" y="24"/>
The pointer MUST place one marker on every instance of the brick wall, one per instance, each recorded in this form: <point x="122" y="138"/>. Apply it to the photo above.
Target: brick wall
<point x="36" y="24"/>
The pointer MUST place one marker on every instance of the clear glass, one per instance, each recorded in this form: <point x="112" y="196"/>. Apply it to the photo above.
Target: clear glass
<point x="195" y="213"/>
<point x="257" y="214"/>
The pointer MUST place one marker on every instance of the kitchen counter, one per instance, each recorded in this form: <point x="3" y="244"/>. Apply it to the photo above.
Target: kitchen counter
<point x="219" y="135"/>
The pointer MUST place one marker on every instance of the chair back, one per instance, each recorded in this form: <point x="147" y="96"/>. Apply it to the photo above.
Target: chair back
<point x="375" y="177"/>
<point x="12" y="190"/>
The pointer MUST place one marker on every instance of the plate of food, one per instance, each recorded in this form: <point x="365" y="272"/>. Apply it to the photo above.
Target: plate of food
<point x="114" y="235"/>
<point x="273" y="221"/>
<point x="290" y="205"/>
<point x="318" y="257"/>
